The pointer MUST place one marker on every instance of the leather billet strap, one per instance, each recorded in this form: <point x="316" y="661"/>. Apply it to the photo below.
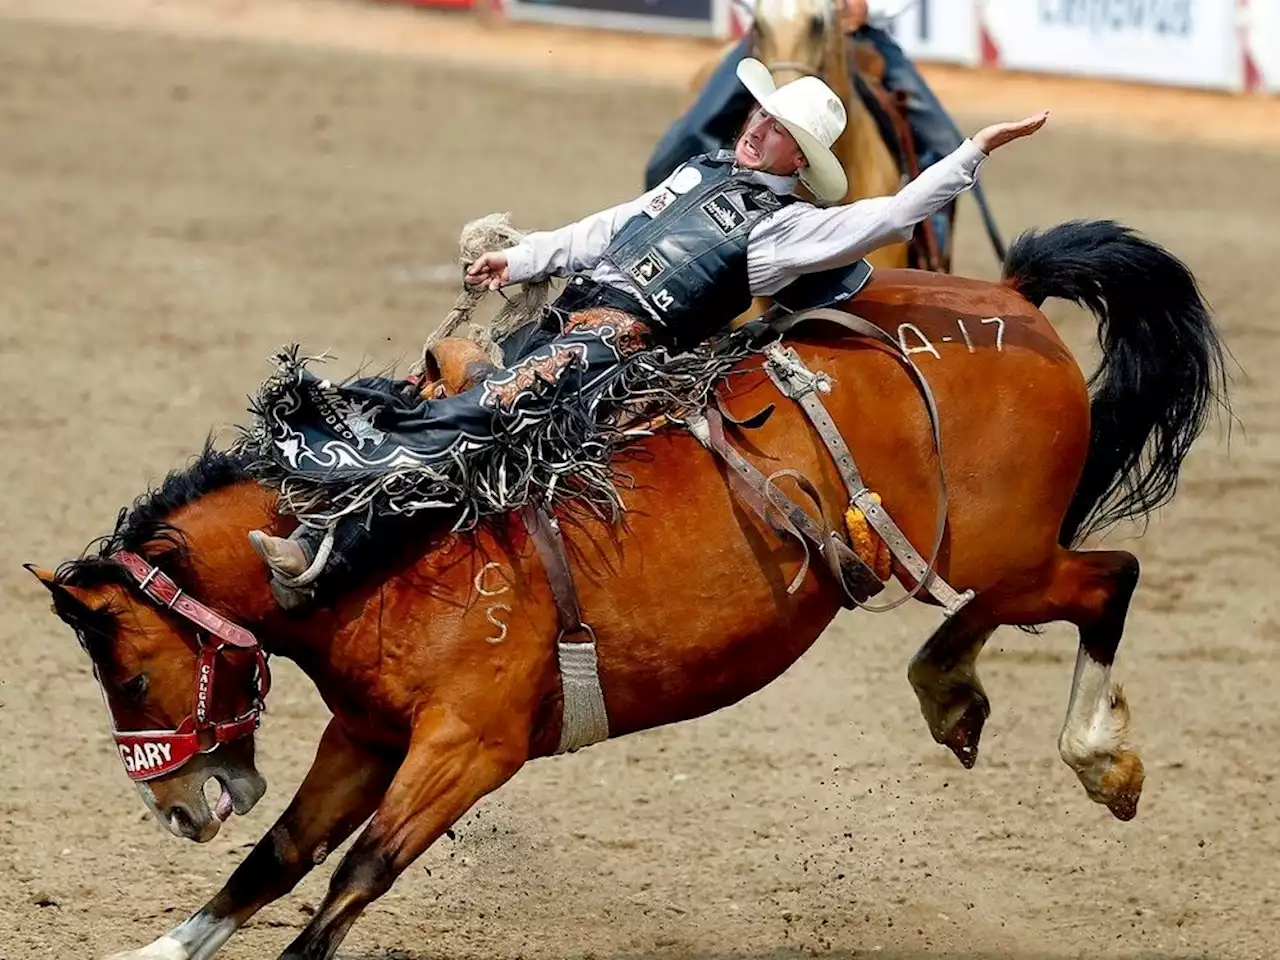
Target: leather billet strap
<point x="544" y="530"/>
<point x="585" y="719"/>
<point x="791" y="376"/>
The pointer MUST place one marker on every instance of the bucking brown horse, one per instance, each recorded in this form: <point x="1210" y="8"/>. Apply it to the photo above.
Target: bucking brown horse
<point x="440" y="665"/>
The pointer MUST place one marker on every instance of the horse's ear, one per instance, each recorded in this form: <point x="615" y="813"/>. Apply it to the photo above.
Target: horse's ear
<point x="77" y="595"/>
<point x="44" y="576"/>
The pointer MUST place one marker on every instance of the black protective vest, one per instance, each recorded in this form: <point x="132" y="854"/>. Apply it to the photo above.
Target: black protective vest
<point x="687" y="252"/>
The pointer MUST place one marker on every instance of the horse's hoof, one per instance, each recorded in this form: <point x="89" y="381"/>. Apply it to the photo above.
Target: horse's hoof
<point x="1124" y="808"/>
<point x="1122" y="785"/>
<point x="964" y="736"/>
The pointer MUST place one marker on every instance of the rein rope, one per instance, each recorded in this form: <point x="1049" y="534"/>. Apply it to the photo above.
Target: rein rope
<point x="485" y="235"/>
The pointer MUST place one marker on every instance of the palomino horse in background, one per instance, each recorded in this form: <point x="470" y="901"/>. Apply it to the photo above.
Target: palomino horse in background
<point x="794" y="38"/>
<point x="440" y="664"/>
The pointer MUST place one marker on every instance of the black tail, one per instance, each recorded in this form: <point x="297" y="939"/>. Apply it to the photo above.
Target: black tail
<point x="1162" y="361"/>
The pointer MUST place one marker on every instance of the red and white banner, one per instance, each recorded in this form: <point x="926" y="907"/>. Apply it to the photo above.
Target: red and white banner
<point x="1260" y="38"/>
<point x="1192" y="43"/>
<point x="1216" y="44"/>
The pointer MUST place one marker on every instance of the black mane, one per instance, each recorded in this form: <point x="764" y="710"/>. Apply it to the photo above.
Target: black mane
<point x="143" y="528"/>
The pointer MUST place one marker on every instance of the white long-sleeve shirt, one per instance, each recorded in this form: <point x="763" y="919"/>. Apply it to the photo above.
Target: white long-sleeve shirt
<point x="799" y="238"/>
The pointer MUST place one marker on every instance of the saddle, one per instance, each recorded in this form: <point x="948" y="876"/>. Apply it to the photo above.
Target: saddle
<point x="889" y="109"/>
<point x="454" y="365"/>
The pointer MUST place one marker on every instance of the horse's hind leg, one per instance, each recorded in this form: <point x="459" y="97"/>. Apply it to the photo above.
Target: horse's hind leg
<point x="1092" y="590"/>
<point x="944" y="675"/>
<point x="450" y="765"/>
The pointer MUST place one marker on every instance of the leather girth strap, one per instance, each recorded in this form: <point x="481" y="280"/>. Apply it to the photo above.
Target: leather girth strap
<point x="585" y="720"/>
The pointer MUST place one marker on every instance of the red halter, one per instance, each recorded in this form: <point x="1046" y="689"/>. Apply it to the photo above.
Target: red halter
<point x="148" y="754"/>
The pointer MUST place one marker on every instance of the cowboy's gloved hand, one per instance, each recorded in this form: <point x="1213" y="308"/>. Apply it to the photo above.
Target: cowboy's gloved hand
<point x="489" y="269"/>
<point x="998" y="134"/>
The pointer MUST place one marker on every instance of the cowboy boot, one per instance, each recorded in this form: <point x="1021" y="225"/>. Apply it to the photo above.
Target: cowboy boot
<point x="285" y="558"/>
<point x="280" y="553"/>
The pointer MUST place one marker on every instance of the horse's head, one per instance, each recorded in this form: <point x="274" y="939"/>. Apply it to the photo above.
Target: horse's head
<point x="183" y="684"/>
<point x="183" y="702"/>
<point x="795" y="38"/>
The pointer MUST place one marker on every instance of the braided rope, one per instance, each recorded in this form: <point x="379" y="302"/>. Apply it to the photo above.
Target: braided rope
<point x="486" y="234"/>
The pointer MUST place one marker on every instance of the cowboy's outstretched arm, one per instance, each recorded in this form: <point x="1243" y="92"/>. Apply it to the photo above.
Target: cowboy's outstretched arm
<point x="803" y="239"/>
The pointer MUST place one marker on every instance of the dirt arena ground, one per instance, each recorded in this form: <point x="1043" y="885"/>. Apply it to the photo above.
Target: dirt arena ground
<point x="173" y="209"/>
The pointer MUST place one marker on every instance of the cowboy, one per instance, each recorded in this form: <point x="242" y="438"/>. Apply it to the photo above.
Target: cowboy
<point x="676" y="266"/>
<point x="717" y="114"/>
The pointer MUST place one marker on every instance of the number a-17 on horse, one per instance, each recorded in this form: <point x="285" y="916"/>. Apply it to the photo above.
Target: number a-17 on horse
<point x="626" y="512"/>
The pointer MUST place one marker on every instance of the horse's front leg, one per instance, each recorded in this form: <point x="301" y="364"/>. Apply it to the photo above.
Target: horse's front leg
<point x="450" y="766"/>
<point x="342" y="788"/>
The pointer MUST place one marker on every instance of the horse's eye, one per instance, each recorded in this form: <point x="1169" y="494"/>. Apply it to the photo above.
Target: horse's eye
<point x="134" y="687"/>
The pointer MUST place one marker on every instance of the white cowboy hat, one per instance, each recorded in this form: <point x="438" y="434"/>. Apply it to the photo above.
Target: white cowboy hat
<point x="813" y="114"/>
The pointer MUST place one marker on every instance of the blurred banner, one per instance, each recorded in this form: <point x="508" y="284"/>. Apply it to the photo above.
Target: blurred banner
<point x="1191" y="43"/>
<point x="940" y="30"/>
<point x="1260" y="30"/>
<point x="438" y="3"/>
<point x="1218" y="44"/>
<point x="695" y="17"/>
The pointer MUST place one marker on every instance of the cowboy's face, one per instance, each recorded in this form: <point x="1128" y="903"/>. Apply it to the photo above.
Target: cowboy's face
<point x="766" y="145"/>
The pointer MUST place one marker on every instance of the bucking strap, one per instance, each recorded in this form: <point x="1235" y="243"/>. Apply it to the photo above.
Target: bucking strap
<point x="585" y="719"/>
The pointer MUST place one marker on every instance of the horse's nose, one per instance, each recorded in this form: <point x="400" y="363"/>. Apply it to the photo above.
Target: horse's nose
<point x="183" y="823"/>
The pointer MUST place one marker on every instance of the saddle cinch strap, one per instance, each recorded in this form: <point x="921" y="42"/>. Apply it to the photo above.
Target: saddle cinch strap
<point x="585" y="720"/>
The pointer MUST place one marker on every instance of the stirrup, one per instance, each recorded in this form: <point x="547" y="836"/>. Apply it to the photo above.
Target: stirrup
<point x="291" y="599"/>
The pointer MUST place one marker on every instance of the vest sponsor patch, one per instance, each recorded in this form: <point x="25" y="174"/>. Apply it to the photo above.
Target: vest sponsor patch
<point x="762" y="200"/>
<point x="659" y="202"/>
<point x="646" y="269"/>
<point x="724" y="214"/>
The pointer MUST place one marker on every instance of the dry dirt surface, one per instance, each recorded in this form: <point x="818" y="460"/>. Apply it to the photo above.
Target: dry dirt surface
<point x="173" y="209"/>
